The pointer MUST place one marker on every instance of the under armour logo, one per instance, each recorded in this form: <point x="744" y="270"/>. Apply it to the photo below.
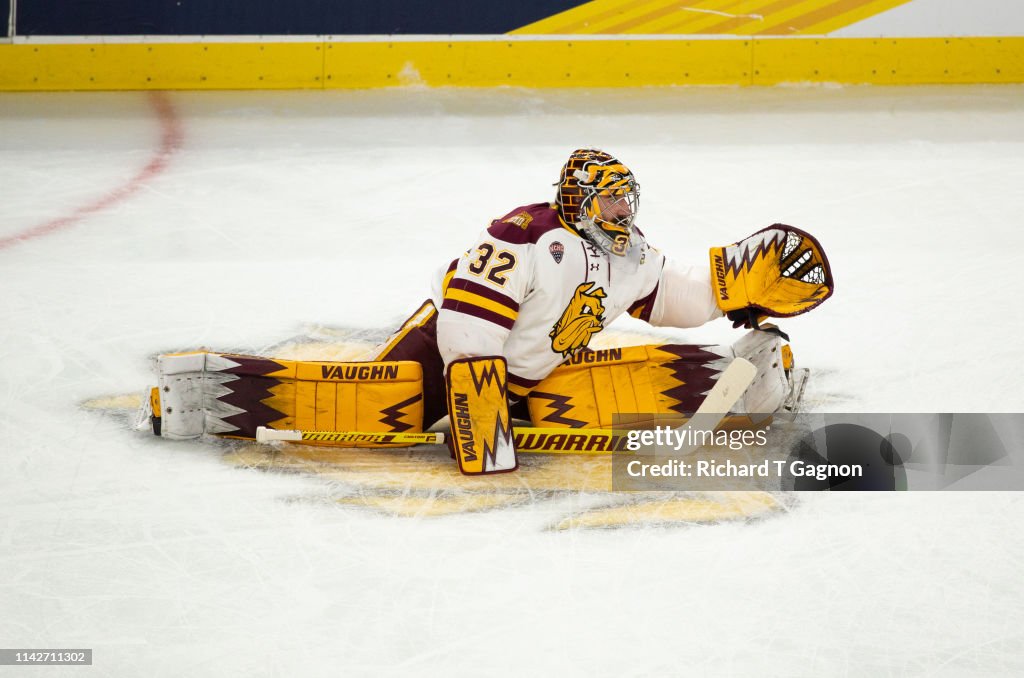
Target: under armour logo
<point x="595" y="267"/>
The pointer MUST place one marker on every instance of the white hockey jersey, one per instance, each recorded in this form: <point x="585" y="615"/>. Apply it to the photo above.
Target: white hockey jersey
<point x="534" y="291"/>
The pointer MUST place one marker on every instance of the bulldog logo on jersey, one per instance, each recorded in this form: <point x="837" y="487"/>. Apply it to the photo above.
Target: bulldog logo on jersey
<point x="581" y="320"/>
<point x="557" y="249"/>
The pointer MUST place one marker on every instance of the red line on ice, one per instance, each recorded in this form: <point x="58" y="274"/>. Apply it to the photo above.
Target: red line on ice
<point x="170" y="140"/>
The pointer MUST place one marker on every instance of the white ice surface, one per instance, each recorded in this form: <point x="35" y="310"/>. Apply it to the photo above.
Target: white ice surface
<point x="285" y="210"/>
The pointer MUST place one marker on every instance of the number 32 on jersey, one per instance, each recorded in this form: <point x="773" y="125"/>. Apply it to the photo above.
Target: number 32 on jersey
<point x="492" y="265"/>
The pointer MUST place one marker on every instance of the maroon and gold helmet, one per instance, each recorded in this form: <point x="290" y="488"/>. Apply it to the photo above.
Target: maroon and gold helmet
<point x="599" y="196"/>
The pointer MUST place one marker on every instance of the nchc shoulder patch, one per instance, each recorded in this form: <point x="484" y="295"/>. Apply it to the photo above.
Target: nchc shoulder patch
<point x="480" y="422"/>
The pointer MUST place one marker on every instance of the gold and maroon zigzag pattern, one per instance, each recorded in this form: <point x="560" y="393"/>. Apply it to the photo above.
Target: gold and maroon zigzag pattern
<point x="250" y="393"/>
<point x="692" y="373"/>
<point x="393" y="415"/>
<point x="742" y="257"/>
<point x="382" y="396"/>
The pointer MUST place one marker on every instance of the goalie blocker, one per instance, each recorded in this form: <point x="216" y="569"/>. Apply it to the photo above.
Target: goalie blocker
<point x="481" y="425"/>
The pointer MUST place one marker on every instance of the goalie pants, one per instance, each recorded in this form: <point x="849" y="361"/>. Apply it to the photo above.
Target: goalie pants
<point x="416" y="340"/>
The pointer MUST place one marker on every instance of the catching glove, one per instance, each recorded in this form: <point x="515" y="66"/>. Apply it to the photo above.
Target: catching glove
<point x="779" y="271"/>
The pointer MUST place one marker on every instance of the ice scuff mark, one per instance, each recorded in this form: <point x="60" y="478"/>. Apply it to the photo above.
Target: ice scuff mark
<point x="410" y="75"/>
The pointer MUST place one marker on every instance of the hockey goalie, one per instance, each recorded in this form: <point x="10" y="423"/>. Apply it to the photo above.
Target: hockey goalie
<point x="507" y="335"/>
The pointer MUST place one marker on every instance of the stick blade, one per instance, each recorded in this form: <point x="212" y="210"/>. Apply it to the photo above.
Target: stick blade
<point x="266" y="435"/>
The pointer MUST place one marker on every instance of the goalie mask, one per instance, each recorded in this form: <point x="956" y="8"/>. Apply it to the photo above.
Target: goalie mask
<point x="599" y="196"/>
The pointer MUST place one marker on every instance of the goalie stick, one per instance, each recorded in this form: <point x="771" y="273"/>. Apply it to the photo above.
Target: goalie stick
<point x="731" y="385"/>
<point x="266" y="435"/>
<point x="537" y="440"/>
<point x="728" y="389"/>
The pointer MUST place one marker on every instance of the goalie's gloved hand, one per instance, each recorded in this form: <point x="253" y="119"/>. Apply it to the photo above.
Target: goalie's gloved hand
<point x="751" y="320"/>
<point x="780" y="270"/>
<point x="745" y="317"/>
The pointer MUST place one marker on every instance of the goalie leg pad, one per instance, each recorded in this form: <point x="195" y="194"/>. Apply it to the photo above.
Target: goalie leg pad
<point x="771" y="386"/>
<point x="612" y="387"/>
<point x="232" y="395"/>
<point x="639" y="386"/>
<point x="481" y="427"/>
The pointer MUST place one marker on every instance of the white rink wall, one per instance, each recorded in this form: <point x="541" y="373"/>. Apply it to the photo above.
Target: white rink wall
<point x="953" y="18"/>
